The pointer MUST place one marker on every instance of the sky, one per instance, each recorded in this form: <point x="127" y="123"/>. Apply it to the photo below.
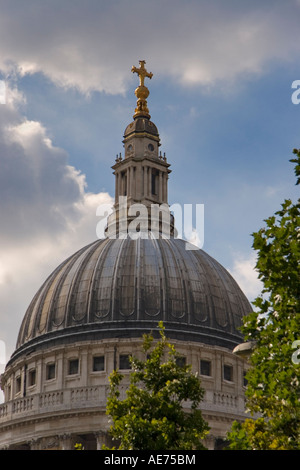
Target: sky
<point x="221" y="97"/>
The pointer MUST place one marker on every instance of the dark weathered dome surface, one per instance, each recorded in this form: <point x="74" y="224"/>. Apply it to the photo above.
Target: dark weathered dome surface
<point x="141" y="125"/>
<point x="122" y="288"/>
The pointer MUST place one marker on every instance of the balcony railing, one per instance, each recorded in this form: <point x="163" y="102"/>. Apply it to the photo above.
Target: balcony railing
<point x="68" y="399"/>
<point x="93" y="397"/>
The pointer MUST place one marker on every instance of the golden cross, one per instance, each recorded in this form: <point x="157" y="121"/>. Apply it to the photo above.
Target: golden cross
<point x="142" y="72"/>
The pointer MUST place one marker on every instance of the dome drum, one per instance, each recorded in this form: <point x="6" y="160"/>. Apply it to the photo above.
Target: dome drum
<point x="126" y="329"/>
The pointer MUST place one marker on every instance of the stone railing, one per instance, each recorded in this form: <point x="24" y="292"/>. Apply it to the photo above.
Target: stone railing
<point x="225" y="399"/>
<point x="96" y="396"/>
<point x="221" y="402"/>
<point x="49" y="402"/>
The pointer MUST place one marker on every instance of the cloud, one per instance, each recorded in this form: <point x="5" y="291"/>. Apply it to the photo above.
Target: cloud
<point x="91" y="45"/>
<point x="243" y="271"/>
<point x="46" y="212"/>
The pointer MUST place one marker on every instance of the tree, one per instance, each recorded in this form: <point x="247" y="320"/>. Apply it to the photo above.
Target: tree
<point x="151" y="417"/>
<point x="274" y="376"/>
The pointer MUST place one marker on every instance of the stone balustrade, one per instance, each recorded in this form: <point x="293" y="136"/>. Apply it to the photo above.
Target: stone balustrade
<point x="47" y="402"/>
<point x="85" y="397"/>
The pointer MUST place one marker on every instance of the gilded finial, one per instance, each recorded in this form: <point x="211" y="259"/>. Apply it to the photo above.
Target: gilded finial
<point x="142" y="91"/>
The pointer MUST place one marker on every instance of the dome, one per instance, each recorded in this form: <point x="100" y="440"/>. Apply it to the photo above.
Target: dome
<point x="141" y="125"/>
<point x="123" y="287"/>
<point x="89" y="315"/>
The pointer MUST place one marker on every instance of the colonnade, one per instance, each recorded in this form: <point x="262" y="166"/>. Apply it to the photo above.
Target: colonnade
<point x="138" y="182"/>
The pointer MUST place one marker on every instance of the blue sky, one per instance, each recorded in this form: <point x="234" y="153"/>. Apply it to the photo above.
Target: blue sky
<point x="220" y="96"/>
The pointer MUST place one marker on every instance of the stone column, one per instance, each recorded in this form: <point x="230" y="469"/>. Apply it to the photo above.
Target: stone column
<point x="145" y="171"/>
<point x="119" y="185"/>
<point x="84" y="369"/>
<point x="60" y="372"/>
<point x="160" y="187"/>
<point x="164" y="187"/>
<point x="99" y="439"/>
<point x="149" y="181"/>
<point x="39" y="375"/>
<point x="102" y="438"/>
<point x="122" y="184"/>
<point x="35" y="444"/>
<point x="131" y="182"/>
<point x="66" y="442"/>
<point x="116" y="187"/>
<point x="128" y="182"/>
<point x="210" y="442"/>
<point x="139" y="182"/>
<point x="218" y="366"/>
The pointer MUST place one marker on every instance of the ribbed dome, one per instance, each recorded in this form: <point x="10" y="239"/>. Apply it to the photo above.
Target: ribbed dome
<point x="141" y="125"/>
<point x="124" y="287"/>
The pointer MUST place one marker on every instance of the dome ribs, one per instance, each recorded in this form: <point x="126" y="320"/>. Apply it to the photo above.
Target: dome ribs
<point x="150" y="286"/>
<point x="198" y="289"/>
<point x="123" y="287"/>
<point x="127" y="281"/>
<point x="77" y="308"/>
<point x="99" y="300"/>
<point x="175" y="299"/>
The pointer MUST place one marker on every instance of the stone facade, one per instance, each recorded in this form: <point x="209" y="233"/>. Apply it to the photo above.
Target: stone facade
<point x="56" y="398"/>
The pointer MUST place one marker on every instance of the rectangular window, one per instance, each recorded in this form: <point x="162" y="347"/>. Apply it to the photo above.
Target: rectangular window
<point x="124" y="362"/>
<point x="31" y="377"/>
<point x="205" y="367"/>
<point x="73" y="366"/>
<point x="245" y="381"/>
<point x="228" y="373"/>
<point x="98" y="363"/>
<point x="18" y="384"/>
<point x="50" y="371"/>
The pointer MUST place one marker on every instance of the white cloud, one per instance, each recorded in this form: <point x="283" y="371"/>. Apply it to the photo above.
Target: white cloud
<point x="243" y="271"/>
<point x="46" y="213"/>
<point x="92" y="44"/>
<point x="194" y="239"/>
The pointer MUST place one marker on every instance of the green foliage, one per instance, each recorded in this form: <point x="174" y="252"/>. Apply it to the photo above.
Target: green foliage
<point x="151" y="417"/>
<point x="274" y="378"/>
<point x="78" y="446"/>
